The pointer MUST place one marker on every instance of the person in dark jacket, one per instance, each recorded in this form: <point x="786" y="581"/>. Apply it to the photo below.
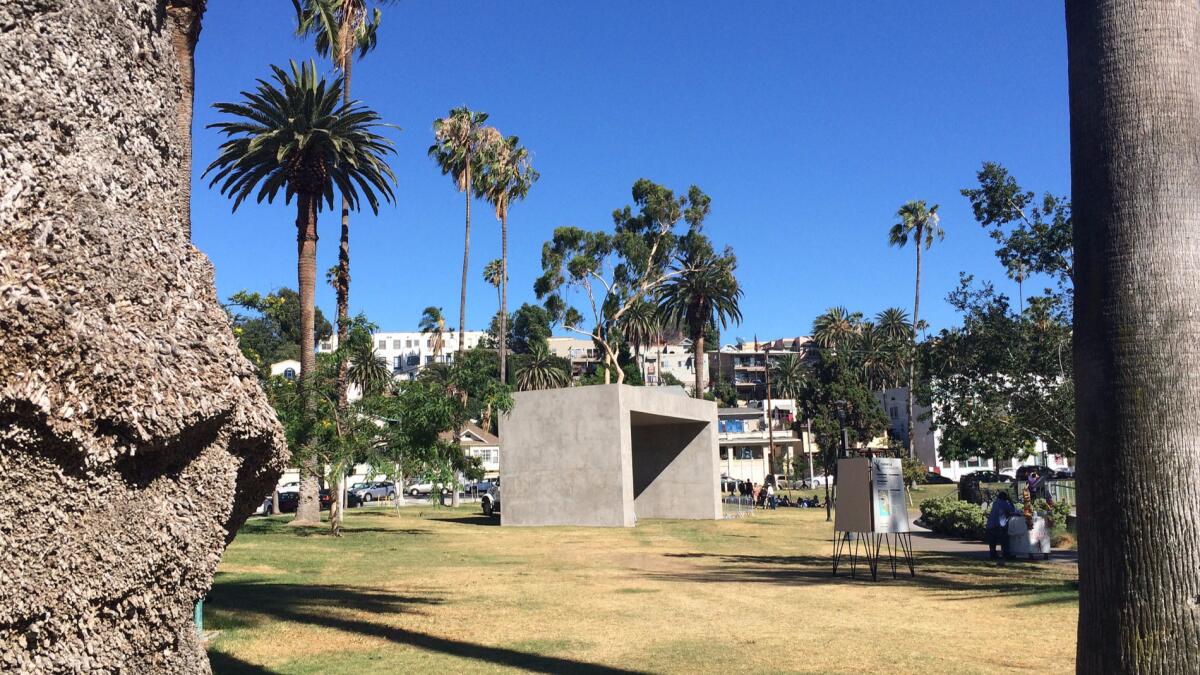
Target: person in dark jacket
<point x="997" y="525"/>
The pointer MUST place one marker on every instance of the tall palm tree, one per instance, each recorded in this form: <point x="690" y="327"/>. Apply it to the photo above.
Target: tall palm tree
<point x="460" y="141"/>
<point x="703" y="292"/>
<point x="340" y="28"/>
<point x="540" y="370"/>
<point x="872" y="354"/>
<point x="896" y="329"/>
<point x="294" y="135"/>
<point x="1135" y="117"/>
<point x="921" y="224"/>
<point x="507" y="177"/>
<point x="433" y="324"/>
<point x="640" y="325"/>
<point x="835" y="328"/>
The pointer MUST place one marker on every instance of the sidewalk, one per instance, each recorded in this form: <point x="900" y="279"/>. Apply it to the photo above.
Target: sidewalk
<point x="924" y="540"/>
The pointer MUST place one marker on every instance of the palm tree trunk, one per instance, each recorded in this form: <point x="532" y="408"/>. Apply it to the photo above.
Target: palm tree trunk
<point x="1134" y="80"/>
<point x="504" y="298"/>
<point x="184" y="20"/>
<point x="912" y="357"/>
<point x="308" y="511"/>
<point x="462" y="300"/>
<point x="698" y="352"/>
<point x="343" y="271"/>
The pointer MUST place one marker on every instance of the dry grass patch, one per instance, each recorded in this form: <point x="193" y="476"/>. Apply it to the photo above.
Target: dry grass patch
<point x="447" y="591"/>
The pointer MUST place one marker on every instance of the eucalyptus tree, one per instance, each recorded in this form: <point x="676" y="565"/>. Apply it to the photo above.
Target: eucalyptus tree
<point x="507" y="176"/>
<point x="461" y="141"/>
<point x="617" y="270"/>
<point x="1135" y="118"/>
<point x="921" y="224"/>
<point x="703" y="293"/>
<point x="339" y="28"/>
<point x="540" y="370"/>
<point x="294" y="136"/>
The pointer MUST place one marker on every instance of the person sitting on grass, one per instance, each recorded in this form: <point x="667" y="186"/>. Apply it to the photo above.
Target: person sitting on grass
<point x="997" y="525"/>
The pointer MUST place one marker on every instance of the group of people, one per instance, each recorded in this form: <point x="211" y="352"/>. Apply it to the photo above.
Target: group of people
<point x="1005" y="522"/>
<point x="765" y="496"/>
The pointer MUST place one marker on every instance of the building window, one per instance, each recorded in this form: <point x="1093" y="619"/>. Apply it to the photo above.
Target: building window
<point x="289" y="373"/>
<point x="396" y="344"/>
<point x="408" y="344"/>
<point x="758" y="453"/>
<point x="974" y="462"/>
<point x="383" y="344"/>
<point x="428" y="360"/>
<point x="724" y="453"/>
<point x="398" y="362"/>
<point x="414" y="360"/>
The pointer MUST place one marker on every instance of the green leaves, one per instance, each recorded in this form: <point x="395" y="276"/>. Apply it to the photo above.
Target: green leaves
<point x="294" y="135"/>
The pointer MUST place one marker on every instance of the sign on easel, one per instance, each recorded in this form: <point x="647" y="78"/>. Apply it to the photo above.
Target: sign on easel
<point x="872" y="508"/>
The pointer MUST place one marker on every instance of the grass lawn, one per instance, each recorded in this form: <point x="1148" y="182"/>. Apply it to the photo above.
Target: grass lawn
<point x="446" y="591"/>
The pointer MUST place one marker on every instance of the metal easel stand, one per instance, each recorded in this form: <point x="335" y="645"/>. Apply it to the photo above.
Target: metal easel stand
<point x="899" y="543"/>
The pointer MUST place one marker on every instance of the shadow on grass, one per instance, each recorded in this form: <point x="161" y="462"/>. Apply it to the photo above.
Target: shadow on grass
<point x="485" y="521"/>
<point x="966" y="577"/>
<point x="312" y="605"/>
<point x="224" y="664"/>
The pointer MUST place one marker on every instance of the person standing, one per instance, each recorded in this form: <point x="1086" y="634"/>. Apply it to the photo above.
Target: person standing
<point x="771" y="496"/>
<point x="997" y="525"/>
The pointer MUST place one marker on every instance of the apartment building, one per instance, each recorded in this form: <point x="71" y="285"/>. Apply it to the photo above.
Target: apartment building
<point x="675" y="359"/>
<point x="408" y="352"/>
<point x="745" y="365"/>
<point x="744" y="438"/>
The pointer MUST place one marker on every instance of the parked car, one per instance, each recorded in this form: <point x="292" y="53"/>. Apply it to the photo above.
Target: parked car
<point x="372" y="490"/>
<point x="423" y="488"/>
<point x="1024" y="471"/>
<point x="820" y="481"/>
<point x="264" y="509"/>
<point x="988" y="477"/>
<point x="932" y="478"/>
<point x="288" y="501"/>
<point x="481" y="487"/>
<point x="1065" y="474"/>
<point x="293" y="486"/>
<point x="491" y="501"/>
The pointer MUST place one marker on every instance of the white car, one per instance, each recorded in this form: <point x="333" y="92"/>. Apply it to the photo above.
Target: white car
<point x="820" y="481"/>
<point x="423" y="488"/>
<point x="293" y="486"/>
<point x="491" y="501"/>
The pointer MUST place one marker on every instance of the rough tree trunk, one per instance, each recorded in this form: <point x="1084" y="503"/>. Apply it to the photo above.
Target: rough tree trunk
<point x="698" y="352"/>
<point x="1134" y="74"/>
<point x="504" y="298"/>
<point x="308" y="510"/>
<point x="343" y="271"/>
<point x="102" y="299"/>
<point x="912" y="357"/>
<point x="462" y="299"/>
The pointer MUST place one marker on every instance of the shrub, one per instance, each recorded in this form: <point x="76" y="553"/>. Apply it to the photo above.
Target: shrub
<point x="951" y="517"/>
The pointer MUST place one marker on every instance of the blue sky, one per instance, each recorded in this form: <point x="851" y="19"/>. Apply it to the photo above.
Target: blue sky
<point x="807" y="123"/>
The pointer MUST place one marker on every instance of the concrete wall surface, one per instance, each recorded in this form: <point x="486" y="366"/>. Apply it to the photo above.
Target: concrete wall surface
<point x="606" y="455"/>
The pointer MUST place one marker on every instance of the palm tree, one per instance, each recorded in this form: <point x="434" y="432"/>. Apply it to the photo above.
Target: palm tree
<point x="921" y="224"/>
<point x="339" y="28"/>
<point x="540" y="370"/>
<point x="703" y="292"/>
<point x="507" y="177"/>
<point x="433" y="324"/>
<point x="1133" y="91"/>
<point x="296" y="137"/>
<point x="493" y="274"/>
<point x="640" y="325"/>
<point x="894" y="324"/>
<point x="872" y="354"/>
<point x="788" y="374"/>
<point x="367" y="370"/>
<point x="460" y="141"/>
<point x="833" y="329"/>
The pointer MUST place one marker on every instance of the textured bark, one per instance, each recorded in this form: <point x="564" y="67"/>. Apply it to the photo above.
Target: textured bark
<point x="308" y="508"/>
<point x="1134" y="71"/>
<point x="912" y="358"/>
<point x="342" y="281"/>
<point x="462" y="300"/>
<point x="698" y="353"/>
<point x="183" y="19"/>
<point x="504" y="298"/>
<point x="123" y="393"/>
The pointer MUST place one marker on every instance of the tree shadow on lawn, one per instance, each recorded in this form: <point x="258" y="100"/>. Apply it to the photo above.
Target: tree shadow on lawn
<point x="966" y="578"/>
<point x="225" y="664"/>
<point x="283" y="527"/>
<point x="311" y="605"/>
<point x="484" y="521"/>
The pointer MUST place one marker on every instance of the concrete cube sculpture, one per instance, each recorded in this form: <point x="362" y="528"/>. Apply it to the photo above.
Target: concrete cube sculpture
<point x="607" y="455"/>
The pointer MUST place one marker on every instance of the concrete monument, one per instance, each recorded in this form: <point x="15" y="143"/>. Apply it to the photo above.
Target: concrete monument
<point x="608" y="455"/>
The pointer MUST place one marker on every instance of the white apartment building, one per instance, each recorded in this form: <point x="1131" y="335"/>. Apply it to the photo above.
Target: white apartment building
<point x="675" y="359"/>
<point x="744" y="438"/>
<point x="408" y="352"/>
<point x="926" y="441"/>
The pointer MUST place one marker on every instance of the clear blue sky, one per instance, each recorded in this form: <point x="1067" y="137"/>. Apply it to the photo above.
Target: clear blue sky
<point x="808" y="123"/>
